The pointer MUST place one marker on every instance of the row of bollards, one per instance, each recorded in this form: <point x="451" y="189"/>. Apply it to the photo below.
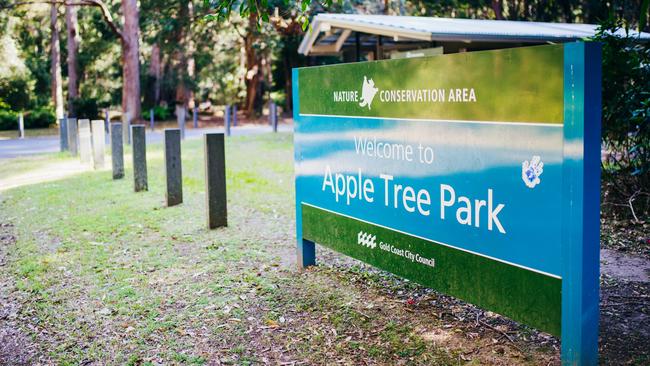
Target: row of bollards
<point x="215" y="168"/>
<point x="230" y="118"/>
<point x="84" y="138"/>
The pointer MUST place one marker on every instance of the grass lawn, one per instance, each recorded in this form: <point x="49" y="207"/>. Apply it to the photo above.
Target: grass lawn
<point x="98" y="274"/>
<point x="31" y="132"/>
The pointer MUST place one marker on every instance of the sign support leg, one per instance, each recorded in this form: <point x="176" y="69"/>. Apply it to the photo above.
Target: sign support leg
<point x="581" y="203"/>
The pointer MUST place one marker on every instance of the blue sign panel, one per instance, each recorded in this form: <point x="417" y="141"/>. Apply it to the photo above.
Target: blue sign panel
<point x="475" y="174"/>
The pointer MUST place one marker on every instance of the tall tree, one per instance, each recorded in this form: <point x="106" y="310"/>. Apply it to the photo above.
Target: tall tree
<point x="72" y="26"/>
<point x="253" y="67"/>
<point x="55" y="52"/>
<point x="155" y="74"/>
<point x="497" y="7"/>
<point x="131" y="106"/>
<point x="184" y="55"/>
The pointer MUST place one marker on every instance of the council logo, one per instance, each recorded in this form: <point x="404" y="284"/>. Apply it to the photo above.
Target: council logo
<point x="367" y="239"/>
<point x="368" y="92"/>
<point x="531" y="170"/>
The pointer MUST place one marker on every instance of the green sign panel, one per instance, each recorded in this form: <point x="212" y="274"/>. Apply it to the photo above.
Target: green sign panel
<point x="475" y="174"/>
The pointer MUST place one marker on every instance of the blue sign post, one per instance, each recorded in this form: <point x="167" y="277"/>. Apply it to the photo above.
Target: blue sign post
<point x="475" y="174"/>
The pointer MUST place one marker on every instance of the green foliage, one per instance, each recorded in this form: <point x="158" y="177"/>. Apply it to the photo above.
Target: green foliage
<point x="16" y="92"/>
<point x="8" y="120"/>
<point x="259" y="11"/>
<point x="625" y="121"/>
<point x="85" y="108"/>
<point x="160" y="113"/>
<point x="37" y="118"/>
<point x="40" y="118"/>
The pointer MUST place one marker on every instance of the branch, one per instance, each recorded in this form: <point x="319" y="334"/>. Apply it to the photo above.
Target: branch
<point x="106" y="14"/>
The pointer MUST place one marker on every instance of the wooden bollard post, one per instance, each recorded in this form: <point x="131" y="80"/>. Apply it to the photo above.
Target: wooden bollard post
<point x="139" y="158"/>
<point x="73" y="136"/>
<point x="99" y="141"/>
<point x="195" y="117"/>
<point x="85" y="142"/>
<point x="215" y="180"/>
<point x="173" y="167"/>
<point x="63" y="134"/>
<point x="117" y="151"/>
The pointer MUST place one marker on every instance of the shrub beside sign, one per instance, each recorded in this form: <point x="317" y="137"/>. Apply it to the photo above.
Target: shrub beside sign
<point x="476" y="174"/>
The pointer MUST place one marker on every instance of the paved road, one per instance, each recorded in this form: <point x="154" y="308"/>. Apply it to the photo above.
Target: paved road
<point x="50" y="144"/>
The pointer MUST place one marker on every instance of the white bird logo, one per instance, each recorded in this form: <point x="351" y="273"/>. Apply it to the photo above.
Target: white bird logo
<point x="368" y="92"/>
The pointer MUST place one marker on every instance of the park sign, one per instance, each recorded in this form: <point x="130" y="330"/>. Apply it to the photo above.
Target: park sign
<point x="475" y="174"/>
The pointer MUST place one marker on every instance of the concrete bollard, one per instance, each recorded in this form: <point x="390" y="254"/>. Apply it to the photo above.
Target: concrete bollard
<point x="215" y="180"/>
<point x="195" y="117"/>
<point x="139" y="158"/>
<point x="99" y="141"/>
<point x="151" y="119"/>
<point x="73" y="136"/>
<point x="234" y="115"/>
<point x="21" y="126"/>
<point x="117" y="151"/>
<point x="85" y="142"/>
<point x="63" y="134"/>
<point x="173" y="168"/>
<point x="226" y="120"/>
<point x="180" y="117"/>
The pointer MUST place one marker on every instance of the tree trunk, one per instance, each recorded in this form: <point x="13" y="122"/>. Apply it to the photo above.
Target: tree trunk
<point x="57" y="88"/>
<point x="185" y="56"/>
<point x="253" y="69"/>
<point x="130" y="62"/>
<point x="73" y="48"/>
<point x="155" y="72"/>
<point x="190" y="49"/>
<point x="497" y="6"/>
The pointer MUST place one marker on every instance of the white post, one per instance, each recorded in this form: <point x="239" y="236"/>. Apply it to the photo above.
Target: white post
<point x="21" y="126"/>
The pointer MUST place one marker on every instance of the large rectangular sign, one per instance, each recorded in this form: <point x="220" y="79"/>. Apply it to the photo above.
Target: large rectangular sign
<point x="475" y="174"/>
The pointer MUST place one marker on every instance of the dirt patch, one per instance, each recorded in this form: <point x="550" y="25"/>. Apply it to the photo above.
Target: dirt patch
<point x="625" y="322"/>
<point x="46" y="173"/>
<point x="355" y="314"/>
<point x="626" y="237"/>
<point x="623" y="266"/>
<point x="16" y="348"/>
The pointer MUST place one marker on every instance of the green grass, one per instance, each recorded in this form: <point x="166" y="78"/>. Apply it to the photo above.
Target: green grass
<point x="31" y="132"/>
<point x="111" y="276"/>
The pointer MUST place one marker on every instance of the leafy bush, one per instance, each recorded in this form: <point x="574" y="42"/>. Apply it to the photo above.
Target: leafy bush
<point x="625" y="123"/>
<point x="160" y="113"/>
<point x="8" y="120"/>
<point x="40" y="118"/>
<point x="16" y="92"/>
<point x="85" y="108"/>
